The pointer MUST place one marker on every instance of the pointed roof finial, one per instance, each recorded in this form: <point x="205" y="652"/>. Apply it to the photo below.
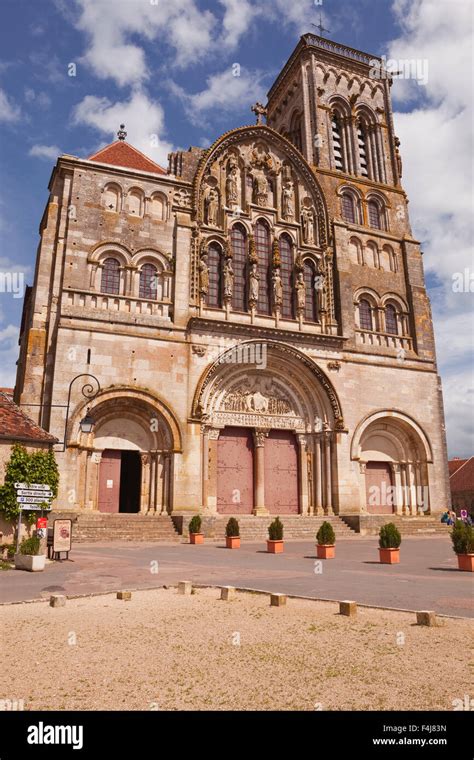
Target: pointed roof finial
<point x="259" y="111"/>
<point x="121" y="134"/>
<point x="320" y="26"/>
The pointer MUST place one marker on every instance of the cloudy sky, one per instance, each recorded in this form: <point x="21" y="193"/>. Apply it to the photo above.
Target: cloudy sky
<point x="72" y="70"/>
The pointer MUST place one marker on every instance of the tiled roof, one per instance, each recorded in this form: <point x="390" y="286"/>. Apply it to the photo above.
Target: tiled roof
<point x="455" y="464"/>
<point x="463" y="478"/>
<point x="120" y="153"/>
<point x="16" y="426"/>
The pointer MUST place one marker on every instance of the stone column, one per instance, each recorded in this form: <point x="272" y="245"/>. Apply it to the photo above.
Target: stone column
<point x="92" y="485"/>
<point x="411" y="487"/>
<point x="403" y="473"/>
<point x="328" y="479"/>
<point x="145" y="482"/>
<point x="159" y="478"/>
<point x="397" y="481"/>
<point x="166" y="482"/>
<point x="317" y="476"/>
<point x="303" y="475"/>
<point x="211" y="505"/>
<point x="259" y="464"/>
<point x="204" y="465"/>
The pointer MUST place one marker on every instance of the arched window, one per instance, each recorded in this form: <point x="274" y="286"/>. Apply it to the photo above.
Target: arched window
<point x="295" y="131"/>
<point x="375" y="217"/>
<point x="263" y="248"/>
<point x="338" y="143"/>
<point x="311" y="302"/>
<point x="365" y="315"/>
<point x="286" y="272"/>
<point x="110" y="281"/>
<point x="391" y="322"/>
<point x="135" y="202"/>
<point x="348" y="208"/>
<point x="112" y="197"/>
<point x="214" y="262"/>
<point x="239" y="265"/>
<point x="148" y="282"/>
<point x="362" y="141"/>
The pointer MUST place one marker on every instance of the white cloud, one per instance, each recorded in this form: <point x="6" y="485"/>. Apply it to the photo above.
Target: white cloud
<point x="238" y="17"/>
<point x="224" y="93"/>
<point x="49" y="152"/>
<point x="8" y="355"/>
<point x="41" y="99"/>
<point x="111" y="52"/>
<point x="143" y="119"/>
<point x="9" y="112"/>
<point x="436" y="137"/>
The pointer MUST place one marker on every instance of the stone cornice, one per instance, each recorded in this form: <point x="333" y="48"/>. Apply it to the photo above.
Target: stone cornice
<point x="252" y="332"/>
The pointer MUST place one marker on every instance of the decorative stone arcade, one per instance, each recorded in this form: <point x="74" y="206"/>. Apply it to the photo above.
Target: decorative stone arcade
<point x="288" y="406"/>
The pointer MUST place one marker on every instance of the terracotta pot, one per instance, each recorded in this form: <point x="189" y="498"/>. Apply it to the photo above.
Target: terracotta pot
<point x="466" y="562"/>
<point x="274" y="547"/>
<point x="232" y="542"/>
<point x="32" y="562"/>
<point x="389" y="556"/>
<point x="196" y="538"/>
<point x="326" y="551"/>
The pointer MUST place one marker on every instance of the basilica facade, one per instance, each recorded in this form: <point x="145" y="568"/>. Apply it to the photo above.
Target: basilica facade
<point x="247" y="332"/>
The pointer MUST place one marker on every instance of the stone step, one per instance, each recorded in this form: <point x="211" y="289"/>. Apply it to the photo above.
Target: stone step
<point x="89" y="527"/>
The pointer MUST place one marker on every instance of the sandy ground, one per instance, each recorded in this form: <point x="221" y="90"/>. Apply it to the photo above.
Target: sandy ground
<point x="165" y="651"/>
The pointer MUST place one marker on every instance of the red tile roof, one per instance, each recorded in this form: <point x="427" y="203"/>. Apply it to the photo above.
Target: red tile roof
<point x="463" y="478"/>
<point x="455" y="464"/>
<point x="120" y="153"/>
<point x="16" y="426"/>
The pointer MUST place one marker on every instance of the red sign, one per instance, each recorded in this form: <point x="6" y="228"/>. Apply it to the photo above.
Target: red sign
<point x="41" y="522"/>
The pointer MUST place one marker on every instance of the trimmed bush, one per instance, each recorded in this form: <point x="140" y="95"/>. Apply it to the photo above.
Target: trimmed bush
<point x="275" y="530"/>
<point x="195" y="524"/>
<point x="232" y="528"/>
<point x="30" y="546"/>
<point x="389" y="537"/>
<point x="325" y="535"/>
<point x="462" y="536"/>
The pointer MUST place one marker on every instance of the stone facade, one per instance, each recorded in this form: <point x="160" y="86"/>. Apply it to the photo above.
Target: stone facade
<point x="270" y="284"/>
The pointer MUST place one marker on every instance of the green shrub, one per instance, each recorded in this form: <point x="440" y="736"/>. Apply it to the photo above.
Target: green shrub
<point x="232" y="528"/>
<point x="389" y="537"/>
<point x="325" y="535"/>
<point x="275" y="530"/>
<point x="30" y="546"/>
<point x="9" y="549"/>
<point x="462" y="536"/>
<point x="195" y="524"/>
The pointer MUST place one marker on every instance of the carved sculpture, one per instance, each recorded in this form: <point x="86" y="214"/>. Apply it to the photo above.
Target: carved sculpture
<point x="300" y="287"/>
<point x="277" y="288"/>
<point x="288" y="208"/>
<point x="228" y="279"/>
<point x="398" y="157"/>
<point x="232" y="186"/>
<point x="261" y="189"/>
<point x="307" y="222"/>
<point x="203" y="276"/>
<point x="211" y="207"/>
<point x="253" y="289"/>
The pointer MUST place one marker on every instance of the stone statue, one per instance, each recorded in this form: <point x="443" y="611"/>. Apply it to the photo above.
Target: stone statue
<point x="232" y="187"/>
<point x="228" y="279"/>
<point x="261" y="189"/>
<point x="398" y="157"/>
<point x="203" y="276"/>
<point x="321" y="288"/>
<point x="277" y="288"/>
<point x="288" y="209"/>
<point x="253" y="289"/>
<point x="300" y="287"/>
<point x="212" y="206"/>
<point x="307" y="221"/>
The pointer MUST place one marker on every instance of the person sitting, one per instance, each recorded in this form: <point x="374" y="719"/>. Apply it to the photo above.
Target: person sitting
<point x="445" y="517"/>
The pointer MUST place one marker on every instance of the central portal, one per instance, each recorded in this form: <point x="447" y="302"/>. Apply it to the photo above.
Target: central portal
<point x="235" y="468"/>
<point x="119" y="481"/>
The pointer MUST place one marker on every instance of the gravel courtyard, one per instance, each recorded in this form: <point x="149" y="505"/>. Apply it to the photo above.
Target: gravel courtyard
<point x="165" y="651"/>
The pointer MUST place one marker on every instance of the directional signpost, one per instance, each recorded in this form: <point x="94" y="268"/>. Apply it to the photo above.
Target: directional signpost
<point x="32" y="497"/>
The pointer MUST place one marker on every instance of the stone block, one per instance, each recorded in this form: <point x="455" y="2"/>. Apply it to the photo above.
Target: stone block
<point x="277" y="600"/>
<point x="185" y="587"/>
<point x="124" y="595"/>
<point x="348" y="608"/>
<point x="227" y="593"/>
<point x="426" y="617"/>
<point x="57" y="601"/>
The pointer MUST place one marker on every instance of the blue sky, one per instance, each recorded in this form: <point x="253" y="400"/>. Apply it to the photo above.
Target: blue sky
<point x="165" y="69"/>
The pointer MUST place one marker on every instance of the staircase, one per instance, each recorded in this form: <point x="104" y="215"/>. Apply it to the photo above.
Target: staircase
<point x="295" y="527"/>
<point x="92" y="527"/>
<point x="369" y="525"/>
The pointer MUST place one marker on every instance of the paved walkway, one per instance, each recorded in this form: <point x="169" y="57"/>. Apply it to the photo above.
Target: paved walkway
<point x="427" y="577"/>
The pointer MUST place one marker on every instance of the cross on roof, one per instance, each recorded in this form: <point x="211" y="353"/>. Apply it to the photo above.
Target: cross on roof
<point x="121" y="134"/>
<point x="320" y="26"/>
<point x="259" y="111"/>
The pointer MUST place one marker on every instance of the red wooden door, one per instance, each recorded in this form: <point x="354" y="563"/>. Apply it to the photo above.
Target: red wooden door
<point x="378" y="486"/>
<point x="235" y="472"/>
<point x="281" y="473"/>
<point x="109" y="481"/>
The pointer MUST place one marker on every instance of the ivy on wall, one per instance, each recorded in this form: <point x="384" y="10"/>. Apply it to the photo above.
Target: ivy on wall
<point x="22" y="467"/>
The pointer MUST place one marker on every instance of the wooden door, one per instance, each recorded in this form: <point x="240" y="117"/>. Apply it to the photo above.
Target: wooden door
<point x="109" y="481"/>
<point x="235" y="472"/>
<point x="281" y="473"/>
<point x="378" y="485"/>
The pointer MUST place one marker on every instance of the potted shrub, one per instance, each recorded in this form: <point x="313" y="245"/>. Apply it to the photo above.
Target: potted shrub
<point x="326" y="539"/>
<point x="462" y="536"/>
<point x="28" y="557"/>
<point x="389" y="544"/>
<point x="275" y="537"/>
<point x="232" y="534"/>
<point x="195" y="535"/>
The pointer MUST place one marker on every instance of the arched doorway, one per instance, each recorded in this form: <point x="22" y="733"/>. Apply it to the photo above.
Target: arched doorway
<point x="393" y="453"/>
<point x="126" y="462"/>
<point x="269" y="406"/>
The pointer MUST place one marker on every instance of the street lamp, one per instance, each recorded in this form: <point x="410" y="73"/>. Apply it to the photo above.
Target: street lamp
<point x="87" y="423"/>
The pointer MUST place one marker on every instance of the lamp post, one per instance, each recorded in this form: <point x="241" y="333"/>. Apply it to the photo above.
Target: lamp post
<point x="87" y="390"/>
